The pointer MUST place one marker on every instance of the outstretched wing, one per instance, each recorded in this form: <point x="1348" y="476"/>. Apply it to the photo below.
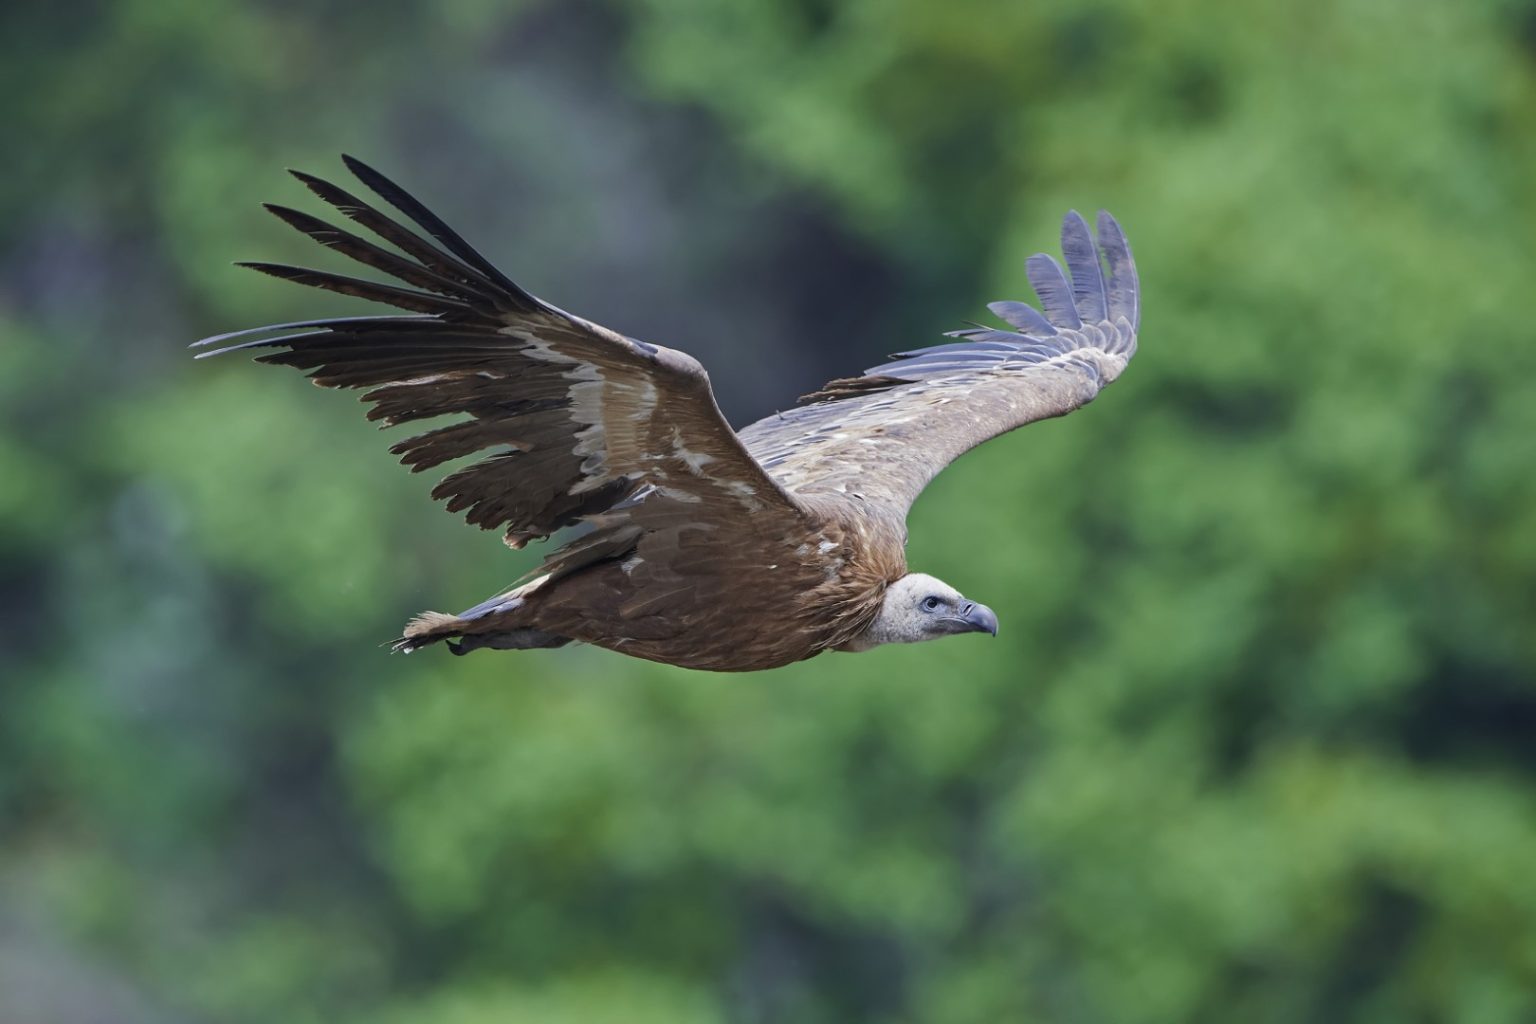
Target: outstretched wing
<point x="882" y="437"/>
<point x="570" y="419"/>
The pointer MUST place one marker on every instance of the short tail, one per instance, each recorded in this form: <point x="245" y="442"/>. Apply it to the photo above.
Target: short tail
<point x="430" y="627"/>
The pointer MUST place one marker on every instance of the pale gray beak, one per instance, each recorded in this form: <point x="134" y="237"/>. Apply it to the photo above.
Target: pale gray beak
<point x="976" y="618"/>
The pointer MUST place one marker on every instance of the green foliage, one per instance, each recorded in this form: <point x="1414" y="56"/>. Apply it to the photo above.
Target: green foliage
<point x="1254" y="742"/>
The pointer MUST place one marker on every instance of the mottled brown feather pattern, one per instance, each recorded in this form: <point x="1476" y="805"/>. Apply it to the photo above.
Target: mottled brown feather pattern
<point x="703" y="548"/>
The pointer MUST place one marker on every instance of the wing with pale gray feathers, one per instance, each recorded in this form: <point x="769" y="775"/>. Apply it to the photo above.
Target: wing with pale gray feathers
<point x="881" y="437"/>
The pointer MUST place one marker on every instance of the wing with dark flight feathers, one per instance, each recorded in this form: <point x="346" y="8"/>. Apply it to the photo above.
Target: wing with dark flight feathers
<point x="568" y="419"/>
<point x="882" y="437"/>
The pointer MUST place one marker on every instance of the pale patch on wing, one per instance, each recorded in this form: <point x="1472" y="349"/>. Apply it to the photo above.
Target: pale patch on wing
<point x="695" y="461"/>
<point x="607" y="406"/>
<point x="538" y="347"/>
<point x="746" y="492"/>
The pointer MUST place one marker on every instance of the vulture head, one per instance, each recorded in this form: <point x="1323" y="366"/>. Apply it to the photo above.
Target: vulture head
<point x="919" y="607"/>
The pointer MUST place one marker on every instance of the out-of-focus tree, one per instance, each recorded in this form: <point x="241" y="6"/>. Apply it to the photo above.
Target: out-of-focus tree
<point x="1254" y="742"/>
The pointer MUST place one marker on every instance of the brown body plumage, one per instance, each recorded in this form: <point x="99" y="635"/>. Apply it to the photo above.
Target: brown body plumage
<point x="695" y="620"/>
<point x="704" y="548"/>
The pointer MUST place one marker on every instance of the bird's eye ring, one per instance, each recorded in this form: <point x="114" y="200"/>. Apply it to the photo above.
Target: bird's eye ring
<point x="930" y="603"/>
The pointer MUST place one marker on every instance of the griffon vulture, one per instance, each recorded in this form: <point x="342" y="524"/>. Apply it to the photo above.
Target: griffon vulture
<point x="703" y="546"/>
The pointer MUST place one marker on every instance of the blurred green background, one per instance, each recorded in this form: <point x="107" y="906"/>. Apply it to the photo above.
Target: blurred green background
<point x="1257" y="741"/>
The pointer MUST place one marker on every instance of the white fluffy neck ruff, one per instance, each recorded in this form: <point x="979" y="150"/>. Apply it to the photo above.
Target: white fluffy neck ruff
<point x="902" y="619"/>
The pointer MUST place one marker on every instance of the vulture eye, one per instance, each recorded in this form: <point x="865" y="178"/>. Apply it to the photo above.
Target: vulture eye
<point x="930" y="604"/>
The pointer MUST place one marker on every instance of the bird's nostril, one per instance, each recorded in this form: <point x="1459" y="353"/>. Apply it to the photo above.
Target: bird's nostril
<point x="969" y="605"/>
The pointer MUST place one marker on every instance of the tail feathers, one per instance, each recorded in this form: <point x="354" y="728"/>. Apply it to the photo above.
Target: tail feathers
<point x="428" y="628"/>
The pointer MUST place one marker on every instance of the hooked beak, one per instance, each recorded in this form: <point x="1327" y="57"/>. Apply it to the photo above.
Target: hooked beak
<point x="976" y="618"/>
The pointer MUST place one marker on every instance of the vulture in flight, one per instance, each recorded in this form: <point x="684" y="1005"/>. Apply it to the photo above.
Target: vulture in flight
<point x="699" y="546"/>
